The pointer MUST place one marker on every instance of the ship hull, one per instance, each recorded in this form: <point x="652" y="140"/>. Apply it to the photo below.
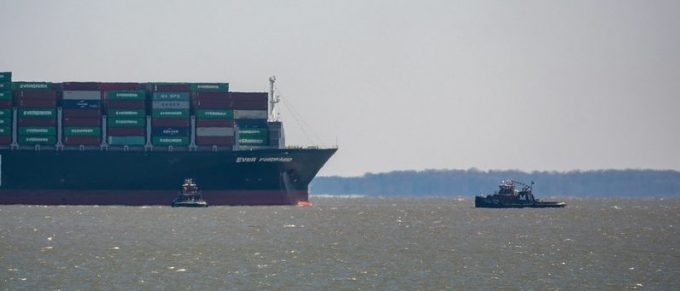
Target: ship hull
<point x="484" y="202"/>
<point x="253" y="177"/>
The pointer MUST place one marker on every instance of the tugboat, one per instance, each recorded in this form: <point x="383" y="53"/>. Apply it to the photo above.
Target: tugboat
<point x="509" y="197"/>
<point x="189" y="195"/>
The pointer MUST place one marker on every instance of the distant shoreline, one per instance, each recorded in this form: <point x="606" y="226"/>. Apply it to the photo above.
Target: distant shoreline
<point x="451" y="183"/>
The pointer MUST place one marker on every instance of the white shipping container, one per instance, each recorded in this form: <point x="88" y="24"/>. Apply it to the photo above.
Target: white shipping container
<point x="82" y="95"/>
<point x="250" y="114"/>
<point x="170" y="105"/>
<point x="214" y="131"/>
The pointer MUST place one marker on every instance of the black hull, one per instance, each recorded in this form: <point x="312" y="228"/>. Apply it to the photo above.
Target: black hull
<point x="254" y="177"/>
<point x="483" y="202"/>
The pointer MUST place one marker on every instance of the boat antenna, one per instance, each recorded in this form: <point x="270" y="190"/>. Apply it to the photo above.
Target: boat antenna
<point x="273" y="100"/>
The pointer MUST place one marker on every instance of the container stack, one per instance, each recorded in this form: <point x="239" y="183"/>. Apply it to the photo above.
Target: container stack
<point x="250" y="113"/>
<point x="36" y="113"/>
<point x="81" y="112"/>
<point x="170" y="114"/>
<point x="214" y="114"/>
<point x="5" y="108"/>
<point x="125" y="109"/>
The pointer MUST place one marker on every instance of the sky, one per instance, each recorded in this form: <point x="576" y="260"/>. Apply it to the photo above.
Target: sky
<point x="397" y="85"/>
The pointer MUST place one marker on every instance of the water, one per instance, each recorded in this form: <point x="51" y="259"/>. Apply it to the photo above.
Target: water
<point x="346" y="243"/>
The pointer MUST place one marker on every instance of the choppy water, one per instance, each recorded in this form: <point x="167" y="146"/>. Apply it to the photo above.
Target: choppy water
<point x="348" y="243"/>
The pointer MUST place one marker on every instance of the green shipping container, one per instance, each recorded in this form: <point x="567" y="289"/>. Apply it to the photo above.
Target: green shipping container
<point x="253" y="131"/>
<point x="5" y="86"/>
<point x="126" y="140"/>
<point x="6" y="113"/>
<point x="173" y="141"/>
<point x="252" y="141"/>
<point x="215" y="113"/>
<point x="211" y="87"/>
<point x="171" y="96"/>
<point x="5" y="121"/>
<point x="37" y="113"/>
<point x="5" y="77"/>
<point x="126" y="113"/>
<point x="31" y="86"/>
<point x="170" y="113"/>
<point x="30" y="139"/>
<point x="82" y="131"/>
<point x="37" y="130"/>
<point x="253" y="137"/>
<point x="126" y="122"/>
<point x="5" y="95"/>
<point x="126" y="95"/>
<point x="5" y="130"/>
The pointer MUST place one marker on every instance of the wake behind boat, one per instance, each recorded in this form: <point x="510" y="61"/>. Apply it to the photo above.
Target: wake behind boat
<point x="509" y="197"/>
<point x="190" y="196"/>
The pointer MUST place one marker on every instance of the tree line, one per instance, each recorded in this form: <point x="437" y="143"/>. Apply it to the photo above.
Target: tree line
<point x="621" y="183"/>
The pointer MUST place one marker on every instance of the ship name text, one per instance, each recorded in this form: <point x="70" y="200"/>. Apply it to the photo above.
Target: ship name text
<point x="263" y="159"/>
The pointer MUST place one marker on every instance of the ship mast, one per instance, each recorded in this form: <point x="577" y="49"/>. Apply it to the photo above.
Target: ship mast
<point x="273" y="100"/>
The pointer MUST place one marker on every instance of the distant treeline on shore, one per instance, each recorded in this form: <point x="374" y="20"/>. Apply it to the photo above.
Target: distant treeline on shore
<point x="622" y="183"/>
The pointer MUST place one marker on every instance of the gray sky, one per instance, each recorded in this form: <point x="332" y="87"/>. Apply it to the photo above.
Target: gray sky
<point x="530" y="85"/>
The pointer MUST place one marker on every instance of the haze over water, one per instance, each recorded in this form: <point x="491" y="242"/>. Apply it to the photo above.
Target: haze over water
<point x="366" y="243"/>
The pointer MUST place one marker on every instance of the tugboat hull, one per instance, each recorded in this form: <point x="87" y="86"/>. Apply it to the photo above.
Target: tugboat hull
<point x="193" y="204"/>
<point x="483" y="202"/>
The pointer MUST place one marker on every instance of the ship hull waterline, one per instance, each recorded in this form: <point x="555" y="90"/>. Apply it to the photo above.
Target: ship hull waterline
<point x="253" y="177"/>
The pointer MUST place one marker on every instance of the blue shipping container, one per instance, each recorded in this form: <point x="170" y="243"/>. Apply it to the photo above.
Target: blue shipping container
<point x="170" y="131"/>
<point x="251" y="123"/>
<point x="80" y="103"/>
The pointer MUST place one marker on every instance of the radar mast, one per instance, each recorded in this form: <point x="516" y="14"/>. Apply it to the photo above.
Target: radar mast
<point x="273" y="100"/>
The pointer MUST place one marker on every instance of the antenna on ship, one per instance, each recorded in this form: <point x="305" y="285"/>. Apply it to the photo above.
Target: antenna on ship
<point x="273" y="100"/>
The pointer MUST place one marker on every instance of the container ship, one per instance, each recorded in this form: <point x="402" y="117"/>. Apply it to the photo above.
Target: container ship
<point x="103" y="143"/>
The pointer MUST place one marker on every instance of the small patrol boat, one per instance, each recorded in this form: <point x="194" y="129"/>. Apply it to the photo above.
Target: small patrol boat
<point x="509" y="197"/>
<point x="189" y="196"/>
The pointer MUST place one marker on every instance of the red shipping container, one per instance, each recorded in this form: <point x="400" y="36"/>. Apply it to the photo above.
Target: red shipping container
<point x="214" y="122"/>
<point x="171" y="87"/>
<point x="125" y="131"/>
<point x="214" y="140"/>
<point x="5" y="103"/>
<point x="179" y="122"/>
<point x="81" y="112"/>
<point x="5" y="139"/>
<point x="80" y="86"/>
<point x="250" y="96"/>
<point x="118" y="86"/>
<point x="36" y="94"/>
<point x="126" y="104"/>
<point x="36" y="121"/>
<point x="82" y="140"/>
<point x="212" y="95"/>
<point x="250" y="105"/>
<point x="213" y="103"/>
<point x="82" y="121"/>
<point x="37" y="103"/>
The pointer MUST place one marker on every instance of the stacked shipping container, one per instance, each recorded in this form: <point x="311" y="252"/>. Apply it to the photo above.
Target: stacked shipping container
<point x="125" y="113"/>
<point x="36" y="113"/>
<point x="5" y="108"/>
<point x="214" y="114"/>
<point x="81" y="112"/>
<point x="170" y="114"/>
<point x="250" y="112"/>
<point x="223" y="118"/>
